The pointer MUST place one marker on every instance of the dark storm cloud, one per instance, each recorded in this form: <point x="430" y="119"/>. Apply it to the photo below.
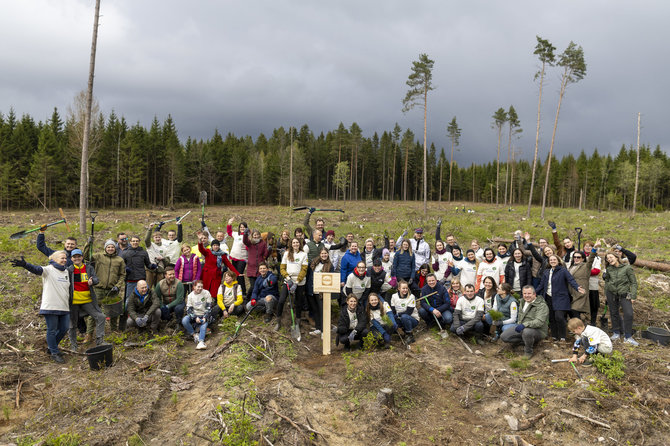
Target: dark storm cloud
<point x="249" y="67"/>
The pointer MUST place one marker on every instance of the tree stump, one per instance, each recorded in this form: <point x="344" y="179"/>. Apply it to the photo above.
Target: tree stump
<point x="385" y="398"/>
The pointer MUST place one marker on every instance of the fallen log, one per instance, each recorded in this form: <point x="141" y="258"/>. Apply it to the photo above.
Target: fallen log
<point x="658" y="266"/>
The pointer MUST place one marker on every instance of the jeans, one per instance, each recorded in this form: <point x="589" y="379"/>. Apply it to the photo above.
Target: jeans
<point x="265" y="304"/>
<point x="89" y="309"/>
<point x="57" y="327"/>
<point x="528" y="337"/>
<point x="446" y="319"/>
<point x="188" y="326"/>
<point x="178" y="311"/>
<point x="614" y="301"/>
<point x="499" y="328"/>
<point x="407" y="322"/>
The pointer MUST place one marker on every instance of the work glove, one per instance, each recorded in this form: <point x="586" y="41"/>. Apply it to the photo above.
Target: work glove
<point x="352" y="335"/>
<point x="128" y="270"/>
<point x="519" y="328"/>
<point x="203" y="224"/>
<point x="289" y="283"/>
<point x="19" y="263"/>
<point x="90" y="239"/>
<point x="165" y="312"/>
<point x="141" y="321"/>
<point x="591" y="349"/>
<point x="114" y="290"/>
<point x="439" y="221"/>
<point x="312" y="210"/>
<point x="293" y="287"/>
<point x="160" y="225"/>
<point x="460" y="330"/>
<point x="247" y="231"/>
<point x="552" y="225"/>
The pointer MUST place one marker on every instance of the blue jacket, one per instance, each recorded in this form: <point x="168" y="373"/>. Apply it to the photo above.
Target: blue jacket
<point x="440" y="300"/>
<point x="44" y="249"/>
<point x="348" y="264"/>
<point x="560" y="294"/>
<point x="265" y="286"/>
<point x="403" y="266"/>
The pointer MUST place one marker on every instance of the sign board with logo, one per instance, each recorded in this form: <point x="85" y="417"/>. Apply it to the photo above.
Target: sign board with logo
<point x="325" y="284"/>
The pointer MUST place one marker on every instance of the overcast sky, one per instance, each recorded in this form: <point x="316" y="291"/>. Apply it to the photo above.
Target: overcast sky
<point x="249" y="67"/>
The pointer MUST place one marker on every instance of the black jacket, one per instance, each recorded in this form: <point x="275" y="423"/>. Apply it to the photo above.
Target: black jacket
<point x="525" y="272"/>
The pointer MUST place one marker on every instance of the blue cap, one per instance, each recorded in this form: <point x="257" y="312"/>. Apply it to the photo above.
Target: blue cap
<point x="76" y="251"/>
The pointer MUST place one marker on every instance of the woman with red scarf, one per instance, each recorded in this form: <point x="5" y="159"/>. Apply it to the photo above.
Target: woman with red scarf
<point x="216" y="262"/>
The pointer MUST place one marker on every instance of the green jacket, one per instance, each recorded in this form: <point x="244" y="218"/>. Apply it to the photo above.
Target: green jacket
<point x="111" y="270"/>
<point x="170" y="295"/>
<point x="137" y="308"/>
<point x="620" y="280"/>
<point x="536" y="316"/>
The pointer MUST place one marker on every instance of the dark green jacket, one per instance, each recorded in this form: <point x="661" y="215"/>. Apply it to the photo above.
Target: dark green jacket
<point x="536" y="316"/>
<point x="620" y="280"/>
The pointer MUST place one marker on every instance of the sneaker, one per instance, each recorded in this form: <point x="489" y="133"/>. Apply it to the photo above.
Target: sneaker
<point x="495" y="337"/>
<point x="201" y="346"/>
<point x="410" y="338"/>
<point x="615" y="337"/>
<point x="57" y="358"/>
<point x="316" y="332"/>
<point x="196" y="338"/>
<point x="268" y="318"/>
<point x="631" y="341"/>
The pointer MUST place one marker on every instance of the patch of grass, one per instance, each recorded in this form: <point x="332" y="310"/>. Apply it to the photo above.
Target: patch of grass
<point x="520" y="363"/>
<point x="228" y="326"/>
<point x="237" y="365"/>
<point x="135" y="440"/>
<point x="6" y="412"/>
<point x="7" y="316"/>
<point x="174" y="398"/>
<point x="239" y="428"/>
<point x="599" y="386"/>
<point x="612" y="366"/>
<point x="560" y="384"/>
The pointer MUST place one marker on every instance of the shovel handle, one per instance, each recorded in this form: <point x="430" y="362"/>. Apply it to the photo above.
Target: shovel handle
<point x="62" y="214"/>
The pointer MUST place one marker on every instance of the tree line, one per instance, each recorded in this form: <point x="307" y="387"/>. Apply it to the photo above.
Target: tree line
<point x="132" y="166"/>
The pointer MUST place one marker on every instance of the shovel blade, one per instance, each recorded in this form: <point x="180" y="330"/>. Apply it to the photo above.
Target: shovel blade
<point x="18" y="235"/>
<point x="295" y="332"/>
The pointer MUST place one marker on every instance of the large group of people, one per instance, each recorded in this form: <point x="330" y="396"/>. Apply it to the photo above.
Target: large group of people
<point x="520" y="292"/>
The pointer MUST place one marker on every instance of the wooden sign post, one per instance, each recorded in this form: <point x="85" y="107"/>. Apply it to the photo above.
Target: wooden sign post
<point x="325" y="284"/>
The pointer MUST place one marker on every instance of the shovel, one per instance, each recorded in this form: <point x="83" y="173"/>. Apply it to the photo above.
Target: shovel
<point x="579" y="238"/>
<point x="22" y="234"/>
<point x="302" y="208"/>
<point x="443" y="333"/>
<point x="179" y="219"/>
<point x="603" y="319"/>
<point x="295" y="328"/>
<point x="240" y="323"/>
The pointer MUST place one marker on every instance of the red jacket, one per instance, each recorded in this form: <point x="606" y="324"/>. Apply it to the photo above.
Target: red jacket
<point x="211" y="274"/>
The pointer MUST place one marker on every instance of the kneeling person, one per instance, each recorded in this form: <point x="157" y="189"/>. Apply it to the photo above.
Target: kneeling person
<point x="265" y="291"/>
<point x="532" y="323"/>
<point x="170" y="291"/>
<point x="352" y="323"/>
<point x="229" y="299"/>
<point x="593" y="339"/>
<point x="468" y="312"/>
<point x="198" y="308"/>
<point x="143" y="307"/>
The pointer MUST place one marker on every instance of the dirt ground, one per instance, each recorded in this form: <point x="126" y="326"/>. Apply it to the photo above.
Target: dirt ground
<point x="266" y="388"/>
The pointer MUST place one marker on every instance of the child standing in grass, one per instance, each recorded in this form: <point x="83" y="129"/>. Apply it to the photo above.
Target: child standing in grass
<point x="593" y="339"/>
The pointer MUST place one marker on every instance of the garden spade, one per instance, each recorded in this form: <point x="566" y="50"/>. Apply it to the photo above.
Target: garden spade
<point x="443" y="333"/>
<point x="21" y="234"/>
<point x="295" y="328"/>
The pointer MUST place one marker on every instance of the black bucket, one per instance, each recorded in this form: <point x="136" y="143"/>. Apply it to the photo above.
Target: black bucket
<point x="102" y="355"/>
<point x="657" y="334"/>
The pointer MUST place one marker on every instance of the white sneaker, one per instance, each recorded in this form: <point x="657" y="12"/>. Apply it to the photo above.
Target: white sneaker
<point x="196" y="338"/>
<point x="631" y="341"/>
<point x="201" y="346"/>
<point x="316" y="332"/>
<point x="615" y="337"/>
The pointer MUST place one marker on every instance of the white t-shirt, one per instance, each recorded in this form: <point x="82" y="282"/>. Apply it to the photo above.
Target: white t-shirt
<point x="357" y="285"/>
<point x="402" y="303"/>
<point x="467" y="273"/>
<point x="377" y="314"/>
<point x="469" y="308"/>
<point x="597" y="338"/>
<point x="443" y="261"/>
<point x="293" y="267"/>
<point x="493" y="269"/>
<point x="199" y="302"/>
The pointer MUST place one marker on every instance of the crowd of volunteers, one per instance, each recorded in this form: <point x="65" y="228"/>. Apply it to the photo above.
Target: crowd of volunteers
<point x="522" y="292"/>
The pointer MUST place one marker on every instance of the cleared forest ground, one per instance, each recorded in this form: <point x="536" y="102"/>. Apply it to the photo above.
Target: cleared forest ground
<point x="269" y="388"/>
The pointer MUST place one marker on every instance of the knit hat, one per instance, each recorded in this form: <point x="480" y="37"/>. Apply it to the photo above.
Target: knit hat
<point x="385" y="252"/>
<point x="110" y="242"/>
